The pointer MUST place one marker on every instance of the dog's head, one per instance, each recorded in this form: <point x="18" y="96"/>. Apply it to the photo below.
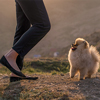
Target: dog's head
<point x="80" y="44"/>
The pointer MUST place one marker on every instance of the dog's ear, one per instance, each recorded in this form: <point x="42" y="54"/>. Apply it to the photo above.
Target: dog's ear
<point x="86" y="44"/>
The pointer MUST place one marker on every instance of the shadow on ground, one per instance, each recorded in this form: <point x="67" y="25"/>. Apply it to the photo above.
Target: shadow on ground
<point x="12" y="91"/>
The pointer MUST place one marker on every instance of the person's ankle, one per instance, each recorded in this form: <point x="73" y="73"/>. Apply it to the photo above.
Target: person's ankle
<point x="11" y="54"/>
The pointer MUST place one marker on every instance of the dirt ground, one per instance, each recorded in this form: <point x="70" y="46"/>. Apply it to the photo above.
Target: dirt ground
<point x="51" y="87"/>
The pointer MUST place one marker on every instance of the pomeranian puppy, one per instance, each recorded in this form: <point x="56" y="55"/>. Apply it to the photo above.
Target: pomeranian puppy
<point x="83" y="59"/>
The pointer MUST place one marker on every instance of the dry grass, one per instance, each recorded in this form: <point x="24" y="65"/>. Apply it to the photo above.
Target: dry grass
<point x="51" y="85"/>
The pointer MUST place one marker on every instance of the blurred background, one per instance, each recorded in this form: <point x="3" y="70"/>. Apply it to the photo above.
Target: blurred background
<point x="69" y="19"/>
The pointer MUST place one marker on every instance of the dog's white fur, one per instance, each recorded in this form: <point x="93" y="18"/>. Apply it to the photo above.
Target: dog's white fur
<point x="85" y="59"/>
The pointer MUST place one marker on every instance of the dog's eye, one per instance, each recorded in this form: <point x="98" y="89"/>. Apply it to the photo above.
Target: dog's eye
<point x="76" y="44"/>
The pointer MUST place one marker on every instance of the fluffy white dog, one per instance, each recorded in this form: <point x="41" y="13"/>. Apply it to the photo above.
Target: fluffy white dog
<point x="83" y="59"/>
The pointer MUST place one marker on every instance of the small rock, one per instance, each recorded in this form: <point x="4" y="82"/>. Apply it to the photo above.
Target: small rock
<point x="62" y="74"/>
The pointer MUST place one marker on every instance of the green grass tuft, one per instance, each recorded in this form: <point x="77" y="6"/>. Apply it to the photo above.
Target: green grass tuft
<point x="47" y="65"/>
<point x="4" y="70"/>
<point x="54" y="72"/>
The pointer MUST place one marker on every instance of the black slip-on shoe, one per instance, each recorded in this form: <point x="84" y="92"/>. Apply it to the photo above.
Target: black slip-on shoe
<point x="14" y="79"/>
<point x="6" y="63"/>
<point x="30" y="78"/>
<point x="19" y="62"/>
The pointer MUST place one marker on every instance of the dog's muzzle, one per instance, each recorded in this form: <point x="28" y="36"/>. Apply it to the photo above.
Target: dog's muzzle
<point x="74" y="47"/>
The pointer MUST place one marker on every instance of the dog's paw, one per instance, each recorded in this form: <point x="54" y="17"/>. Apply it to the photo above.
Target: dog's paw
<point x="71" y="76"/>
<point x="87" y="77"/>
<point x="81" y="78"/>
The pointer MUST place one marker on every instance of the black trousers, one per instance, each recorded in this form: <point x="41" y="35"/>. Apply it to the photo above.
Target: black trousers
<point x="30" y="12"/>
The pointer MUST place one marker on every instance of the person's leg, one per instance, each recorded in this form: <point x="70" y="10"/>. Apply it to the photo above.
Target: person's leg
<point x="37" y="15"/>
<point x="23" y="25"/>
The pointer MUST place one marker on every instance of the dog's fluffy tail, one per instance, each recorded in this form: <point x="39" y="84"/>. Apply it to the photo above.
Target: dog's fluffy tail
<point x="95" y="54"/>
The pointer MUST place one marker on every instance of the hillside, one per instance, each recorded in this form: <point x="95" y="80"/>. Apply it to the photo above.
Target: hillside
<point x="50" y="87"/>
<point x="69" y="19"/>
<point x="53" y="82"/>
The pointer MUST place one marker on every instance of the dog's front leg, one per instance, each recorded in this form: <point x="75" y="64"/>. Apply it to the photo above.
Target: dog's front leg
<point x="83" y="72"/>
<point x="72" y="72"/>
<point x="88" y="76"/>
